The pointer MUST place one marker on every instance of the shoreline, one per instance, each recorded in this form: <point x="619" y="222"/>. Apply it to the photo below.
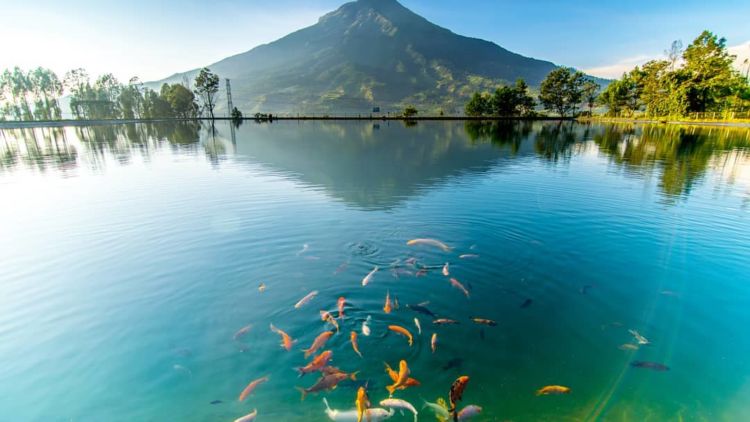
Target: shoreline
<point x="584" y="120"/>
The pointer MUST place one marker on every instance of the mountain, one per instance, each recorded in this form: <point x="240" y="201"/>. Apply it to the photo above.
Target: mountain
<point x="369" y="53"/>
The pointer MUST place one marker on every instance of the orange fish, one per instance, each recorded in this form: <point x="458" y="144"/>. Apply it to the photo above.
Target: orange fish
<point x="552" y="389"/>
<point x="327" y="317"/>
<point x="457" y="284"/>
<point x="410" y="382"/>
<point x="251" y="387"/>
<point x="362" y="403"/>
<point x="317" y="363"/>
<point x="401" y="378"/>
<point x="456" y="394"/>
<point x="403" y="331"/>
<point x="341" y="302"/>
<point x="353" y="338"/>
<point x="318" y="343"/>
<point x="286" y="340"/>
<point x="387" y="307"/>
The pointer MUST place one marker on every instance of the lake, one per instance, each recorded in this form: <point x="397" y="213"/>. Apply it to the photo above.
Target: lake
<point x="132" y="254"/>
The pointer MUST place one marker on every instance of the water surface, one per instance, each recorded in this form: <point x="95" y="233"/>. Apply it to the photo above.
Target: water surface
<point x="132" y="254"/>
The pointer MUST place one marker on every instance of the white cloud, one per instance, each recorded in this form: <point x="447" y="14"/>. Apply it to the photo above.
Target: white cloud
<point x="615" y="70"/>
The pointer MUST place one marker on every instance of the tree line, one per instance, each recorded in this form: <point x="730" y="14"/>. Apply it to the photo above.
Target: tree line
<point x="700" y="78"/>
<point x="36" y="94"/>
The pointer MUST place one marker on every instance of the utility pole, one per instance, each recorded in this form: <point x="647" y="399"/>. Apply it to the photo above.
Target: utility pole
<point x="230" y="106"/>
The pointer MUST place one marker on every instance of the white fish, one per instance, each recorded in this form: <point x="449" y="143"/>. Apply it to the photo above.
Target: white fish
<point x="419" y="327"/>
<point x="372" y="415"/>
<point x="182" y="369"/>
<point x="439" y="410"/>
<point x="305" y="299"/>
<point x="305" y="247"/>
<point x="366" y="326"/>
<point x="638" y="337"/>
<point x="249" y="417"/>
<point x="430" y="242"/>
<point x="469" y="412"/>
<point x="468" y="256"/>
<point x="368" y="277"/>
<point x="399" y="404"/>
<point x="446" y="271"/>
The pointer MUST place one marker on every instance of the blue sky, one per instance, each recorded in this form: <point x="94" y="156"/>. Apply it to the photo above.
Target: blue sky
<point x="153" y="39"/>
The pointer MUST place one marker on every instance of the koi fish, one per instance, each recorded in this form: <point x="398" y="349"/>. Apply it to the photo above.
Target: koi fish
<point x="484" y="321"/>
<point x="429" y="242"/>
<point x="340" y="303"/>
<point x="355" y="346"/>
<point x="286" y="340"/>
<point x="433" y="342"/>
<point x="251" y="387"/>
<point x="468" y="256"/>
<point x="649" y="365"/>
<point x="552" y="389"/>
<point x="526" y="303"/>
<point x="399" y="404"/>
<point x="421" y="273"/>
<point x="403" y="376"/>
<point x="469" y="412"/>
<point x="327" y="317"/>
<point x="362" y="403"/>
<point x="445" y="321"/>
<point x="387" y="307"/>
<point x="456" y="394"/>
<point x="627" y="346"/>
<point x="317" y="363"/>
<point x="457" y="284"/>
<point x="371" y="415"/>
<point x="262" y="287"/>
<point x="366" y="326"/>
<point x="410" y="382"/>
<point x="249" y="417"/>
<point x="419" y="327"/>
<point x="638" y="337"/>
<point x="446" y="271"/>
<point x="368" y="277"/>
<point x="422" y="309"/>
<point x="403" y="331"/>
<point x="341" y="268"/>
<point x="302" y="302"/>
<point x="242" y="332"/>
<point x="326" y="383"/>
<point x="439" y="408"/>
<point x="319" y="341"/>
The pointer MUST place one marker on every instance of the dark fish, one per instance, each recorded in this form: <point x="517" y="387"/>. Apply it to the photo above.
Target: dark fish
<point x="526" y="303"/>
<point x="649" y="365"/>
<point x="421" y="309"/>
<point x="453" y="363"/>
<point x="585" y="289"/>
<point x="216" y="402"/>
<point x="481" y="334"/>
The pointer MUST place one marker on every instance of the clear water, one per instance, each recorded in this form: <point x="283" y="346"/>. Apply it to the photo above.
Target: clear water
<point x="127" y="250"/>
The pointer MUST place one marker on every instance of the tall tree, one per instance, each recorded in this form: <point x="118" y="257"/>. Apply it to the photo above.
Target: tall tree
<point x="478" y="105"/>
<point x="561" y="91"/>
<point x="590" y="92"/>
<point x="181" y="99"/>
<point x="207" y="88"/>
<point x="709" y="72"/>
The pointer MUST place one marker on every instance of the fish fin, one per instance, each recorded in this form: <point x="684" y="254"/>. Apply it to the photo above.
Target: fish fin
<point x="304" y="394"/>
<point x="353" y="376"/>
<point x="326" y="403"/>
<point x="391" y="389"/>
<point x="300" y="372"/>
<point x="401" y="411"/>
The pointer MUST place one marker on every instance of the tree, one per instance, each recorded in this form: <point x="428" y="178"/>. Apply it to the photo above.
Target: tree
<point x="524" y="103"/>
<point x="590" y="92"/>
<point x="710" y="76"/>
<point x="478" y="105"/>
<point x="561" y="91"/>
<point x="236" y="114"/>
<point x="131" y="100"/>
<point x="673" y="53"/>
<point x="207" y="87"/>
<point x="155" y="106"/>
<point x="180" y="99"/>
<point x="410" y="111"/>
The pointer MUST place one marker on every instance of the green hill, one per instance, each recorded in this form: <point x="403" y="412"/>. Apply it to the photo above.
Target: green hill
<point x="369" y="53"/>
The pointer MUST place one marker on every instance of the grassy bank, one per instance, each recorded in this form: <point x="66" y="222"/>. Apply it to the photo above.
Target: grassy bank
<point x="667" y="120"/>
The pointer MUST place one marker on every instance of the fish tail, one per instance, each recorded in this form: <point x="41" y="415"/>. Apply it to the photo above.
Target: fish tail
<point x="391" y="389"/>
<point x="304" y="394"/>
<point x="300" y="372"/>
<point x="353" y="376"/>
<point x="307" y="353"/>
